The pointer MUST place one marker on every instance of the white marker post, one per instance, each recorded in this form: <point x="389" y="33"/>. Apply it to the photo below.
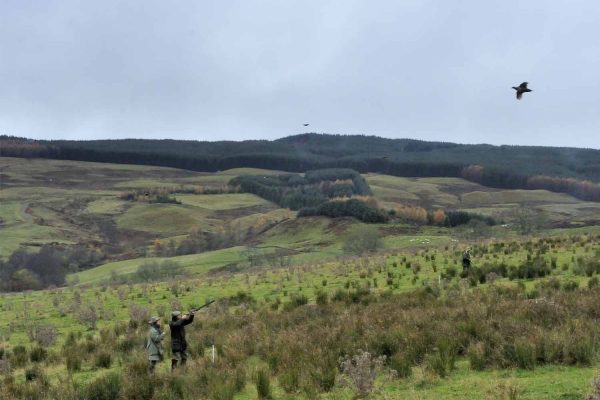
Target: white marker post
<point x="213" y="353"/>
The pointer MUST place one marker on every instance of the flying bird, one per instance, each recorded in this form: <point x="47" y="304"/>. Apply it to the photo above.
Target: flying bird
<point x="306" y="124"/>
<point x="522" y="88"/>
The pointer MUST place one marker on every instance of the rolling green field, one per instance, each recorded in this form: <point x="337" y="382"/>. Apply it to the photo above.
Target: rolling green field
<point x="281" y="276"/>
<point x="454" y="193"/>
<point x="47" y="201"/>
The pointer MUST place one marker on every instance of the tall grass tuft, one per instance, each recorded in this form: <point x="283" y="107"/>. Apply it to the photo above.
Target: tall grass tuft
<point x="476" y="356"/>
<point x="38" y="354"/>
<point x="401" y="364"/>
<point x="442" y="361"/>
<point x="263" y="384"/>
<point x="103" y="360"/>
<point x="525" y="355"/>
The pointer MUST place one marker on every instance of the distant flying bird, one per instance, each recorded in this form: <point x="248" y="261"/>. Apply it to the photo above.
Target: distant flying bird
<point x="306" y="124"/>
<point x="522" y="88"/>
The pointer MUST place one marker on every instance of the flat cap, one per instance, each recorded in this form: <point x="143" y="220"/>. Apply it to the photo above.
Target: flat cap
<point x="153" y="320"/>
<point x="175" y="313"/>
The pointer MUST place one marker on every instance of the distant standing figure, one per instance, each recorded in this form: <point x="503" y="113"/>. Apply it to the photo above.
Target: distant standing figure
<point x="522" y="88"/>
<point x="154" y="343"/>
<point x="466" y="259"/>
<point x="178" y="342"/>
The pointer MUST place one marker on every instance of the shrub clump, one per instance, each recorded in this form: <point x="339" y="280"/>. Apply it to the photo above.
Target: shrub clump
<point x="401" y="364"/>
<point x="18" y="357"/>
<point x="38" y="354"/>
<point x="73" y="361"/>
<point x="442" y="361"/>
<point x="103" y="360"/>
<point x="525" y="354"/>
<point x="296" y="300"/>
<point x="476" y="355"/>
<point x="107" y="387"/>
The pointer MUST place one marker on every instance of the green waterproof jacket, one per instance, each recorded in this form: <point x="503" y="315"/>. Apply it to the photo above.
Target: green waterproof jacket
<point x="154" y="343"/>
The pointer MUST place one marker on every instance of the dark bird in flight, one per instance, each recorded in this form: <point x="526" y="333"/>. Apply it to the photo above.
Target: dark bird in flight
<point x="306" y="124"/>
<point x="522" y="88"/>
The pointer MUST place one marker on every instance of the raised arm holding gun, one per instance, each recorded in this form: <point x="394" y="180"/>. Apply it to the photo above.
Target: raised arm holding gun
<point x="178" y="342"/>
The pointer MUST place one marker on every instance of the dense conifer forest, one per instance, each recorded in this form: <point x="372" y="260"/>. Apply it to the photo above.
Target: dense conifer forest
<point x="567" y="170"/>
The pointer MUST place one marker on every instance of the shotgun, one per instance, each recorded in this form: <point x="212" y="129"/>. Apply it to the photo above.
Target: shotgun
<point x="201" y="307"/>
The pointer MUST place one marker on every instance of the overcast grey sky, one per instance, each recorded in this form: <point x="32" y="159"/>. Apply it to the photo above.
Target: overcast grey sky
<point x="225" y="69"/>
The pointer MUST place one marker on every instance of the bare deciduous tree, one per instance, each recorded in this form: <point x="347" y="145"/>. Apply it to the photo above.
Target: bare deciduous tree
<point x="88" y="316"/>
<point x="362" y="370"/>
<point x="45" y="335"/>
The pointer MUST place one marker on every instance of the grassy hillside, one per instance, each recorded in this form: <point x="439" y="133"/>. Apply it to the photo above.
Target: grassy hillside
<point x="522" y="323"/>
<point x="48" y="201"/>
<point x="455" y="193"/>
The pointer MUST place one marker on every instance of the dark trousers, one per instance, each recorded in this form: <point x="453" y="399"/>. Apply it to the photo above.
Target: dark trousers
<point x="151" y="366"/>
<point x="466" y="263"/>
<point x="179" y="357"/>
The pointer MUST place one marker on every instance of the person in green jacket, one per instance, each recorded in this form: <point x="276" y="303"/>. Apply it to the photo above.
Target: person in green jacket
<point x="154" y="343"/>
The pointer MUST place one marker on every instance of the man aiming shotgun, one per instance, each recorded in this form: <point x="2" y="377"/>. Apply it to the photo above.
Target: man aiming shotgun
<point x="178" y="342"/>
<point x="466" y="259"/>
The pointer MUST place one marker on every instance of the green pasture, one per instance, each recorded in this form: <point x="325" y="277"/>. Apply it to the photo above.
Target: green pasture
<point x="106" y="205"/>
<point x="421" y="190"/>
<point x="170" y="219"/>
<point x="194" y="263"/>
<point x="11" y="212"/>
<point x="222" y="201"/>
<point x="28" y="236"/>
<point x="515" y="196"/>
<point x="264" y="219"/>
<point x="18" y="227"/>
<point x="543" y="383"/>
<point x="305" y="234"/>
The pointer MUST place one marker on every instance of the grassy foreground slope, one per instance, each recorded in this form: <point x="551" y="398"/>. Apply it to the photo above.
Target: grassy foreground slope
<point x="262" y="303"/>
